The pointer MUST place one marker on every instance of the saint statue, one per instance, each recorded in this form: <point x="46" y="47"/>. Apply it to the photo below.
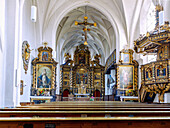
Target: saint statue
<point x="96" y="58"/>
<point x="67" y="56"/>
<point x="83" y="88"/>
<point x="26" y="55"/>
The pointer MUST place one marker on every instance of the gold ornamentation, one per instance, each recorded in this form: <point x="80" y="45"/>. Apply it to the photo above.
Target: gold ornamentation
<point x="21" y="87"/>
<point x="127" y="72"/>
<point x="25" y="55"/>
<point x="83" y="72"/>
<point x="44" y="71"/>
<point x="67" y="56"/>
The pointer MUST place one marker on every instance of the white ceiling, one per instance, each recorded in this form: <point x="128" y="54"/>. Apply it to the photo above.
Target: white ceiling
<point x="73" y="35"/>
<point x="119" y="23"/>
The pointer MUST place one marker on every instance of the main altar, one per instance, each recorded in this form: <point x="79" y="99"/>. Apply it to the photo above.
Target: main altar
<point x="82" y="77"/>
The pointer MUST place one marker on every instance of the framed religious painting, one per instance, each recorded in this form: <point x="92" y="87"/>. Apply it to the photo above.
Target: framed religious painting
<point x="125" y="77"/>
<point x="82" y="75"/>
<point x="44" y="76"/>
<point x="97" y="76"/>
<point x="126" y="56"/>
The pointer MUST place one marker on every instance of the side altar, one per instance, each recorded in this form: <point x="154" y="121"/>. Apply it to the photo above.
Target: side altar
<point x="44" y="76"/>
<point x="81" y="76"/>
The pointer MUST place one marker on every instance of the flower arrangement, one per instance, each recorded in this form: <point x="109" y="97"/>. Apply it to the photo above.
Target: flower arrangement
<point x="129" y="92"/>
<point x="92" y="98"/>
<point x="41" y="92"/>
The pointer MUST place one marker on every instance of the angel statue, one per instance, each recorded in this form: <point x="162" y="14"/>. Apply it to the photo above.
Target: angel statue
<point x="27" y="52"/>
<point x="26" y="55"/>
<point x="96" y="58"/>
<point x="67" y="56"/>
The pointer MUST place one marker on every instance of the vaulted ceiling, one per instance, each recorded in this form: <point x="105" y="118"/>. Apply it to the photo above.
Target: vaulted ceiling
<point x="119" y="22"/>
<point x="72" y="35"/>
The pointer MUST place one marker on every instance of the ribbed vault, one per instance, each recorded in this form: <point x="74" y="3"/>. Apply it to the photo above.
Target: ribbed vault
<point x="69" y="35"/>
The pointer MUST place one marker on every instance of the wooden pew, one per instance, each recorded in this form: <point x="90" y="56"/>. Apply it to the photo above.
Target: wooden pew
<point x="86" y="122"/>
<point x="86" y="114"/>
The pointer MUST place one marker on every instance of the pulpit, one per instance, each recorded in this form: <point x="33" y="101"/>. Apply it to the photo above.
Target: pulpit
<point x="155" y="76"/>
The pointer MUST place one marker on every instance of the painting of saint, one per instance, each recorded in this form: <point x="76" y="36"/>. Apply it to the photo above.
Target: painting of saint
<point x="97" y="76"/>
<point x="126" y="58"/>
<point x="81" y="77"/>
<point x="44" y="77"/>
<point x="45" y="56"/>
<point x="126" y="77"/>
<point x="81" y="59"/>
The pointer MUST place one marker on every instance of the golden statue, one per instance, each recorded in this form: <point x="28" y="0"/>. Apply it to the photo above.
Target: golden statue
<point x="96" y="57"/>
<point x="67" y="56"/>
<point x="27" y="52"/>
<point x="26" y="55"/>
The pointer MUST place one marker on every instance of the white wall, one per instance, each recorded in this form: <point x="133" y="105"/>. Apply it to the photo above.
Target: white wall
<point x="28" y="34"/>
<point x="2" y="50"/>
<point x="10" y="44"/>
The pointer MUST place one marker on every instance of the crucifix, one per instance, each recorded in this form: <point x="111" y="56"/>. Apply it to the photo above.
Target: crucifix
<point x="45" y="44"/>
<point x="85" y="29"/>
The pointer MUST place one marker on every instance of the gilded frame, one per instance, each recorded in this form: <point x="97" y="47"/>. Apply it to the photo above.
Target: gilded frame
<point x="126" y="56"/>
<point x="125" y="74"/>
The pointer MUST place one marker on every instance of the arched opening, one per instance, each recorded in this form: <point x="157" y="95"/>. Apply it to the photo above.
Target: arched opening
<point x="65" y="93"/>
<point x="96" y="93"/>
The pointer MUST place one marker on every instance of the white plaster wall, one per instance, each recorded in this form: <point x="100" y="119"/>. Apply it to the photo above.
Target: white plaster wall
<point x="167" y="98"/>
<point x="156" y="100"/>
<point x="2" y="51"/>
<point x="10" y="45"/>
<point x="28" y="34"/>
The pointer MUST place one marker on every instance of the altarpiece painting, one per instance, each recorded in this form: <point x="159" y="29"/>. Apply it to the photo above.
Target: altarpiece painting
<point x="127" y="74"/>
